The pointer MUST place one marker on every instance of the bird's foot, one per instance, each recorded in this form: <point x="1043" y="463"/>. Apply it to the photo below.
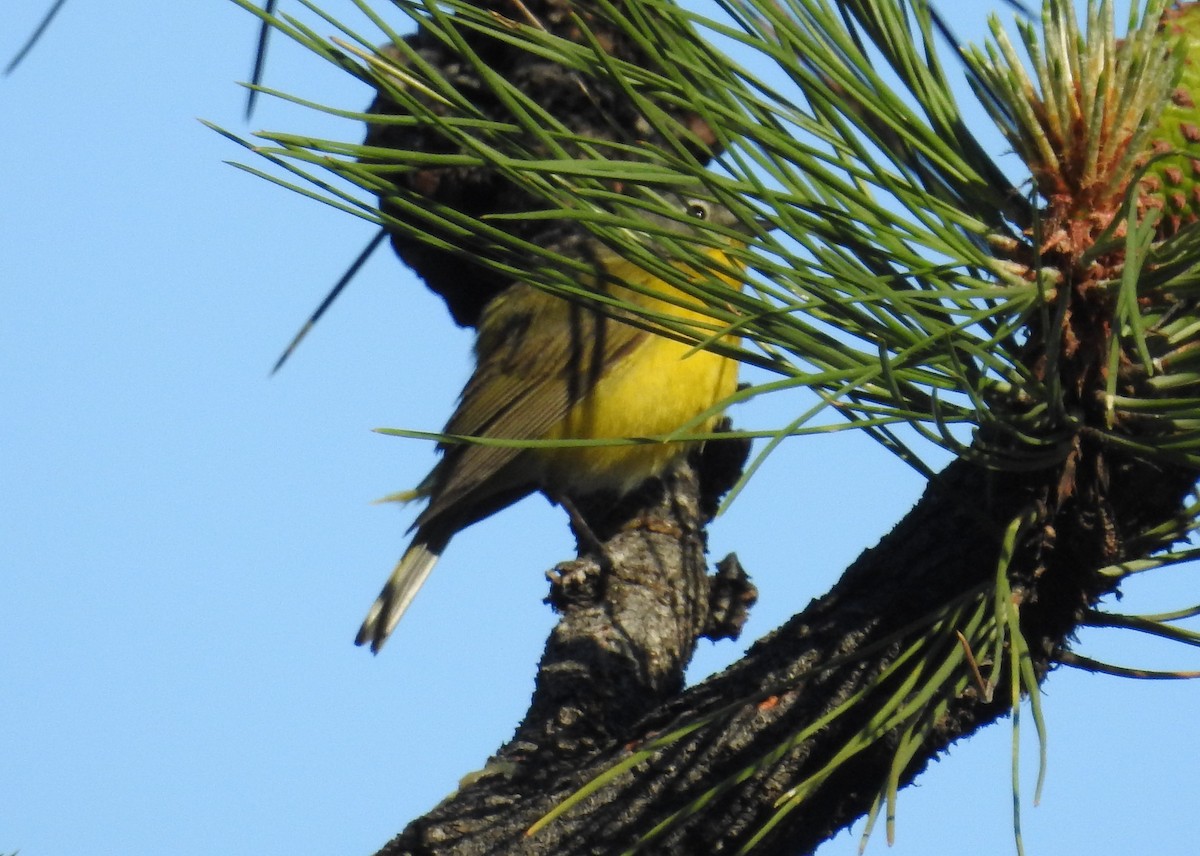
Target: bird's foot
<point x="577" y="583"/>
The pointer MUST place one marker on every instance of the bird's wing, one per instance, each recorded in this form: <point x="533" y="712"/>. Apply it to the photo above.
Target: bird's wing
<point x="536" y="356"/>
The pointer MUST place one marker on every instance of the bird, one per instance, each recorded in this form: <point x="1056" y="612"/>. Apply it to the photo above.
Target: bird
<point x="552" y="368"/>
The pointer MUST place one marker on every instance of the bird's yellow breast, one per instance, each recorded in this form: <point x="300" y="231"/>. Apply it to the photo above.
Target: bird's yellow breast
<point x="658" y="387"/>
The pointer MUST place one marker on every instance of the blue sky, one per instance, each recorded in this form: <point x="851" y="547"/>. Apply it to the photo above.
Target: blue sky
<point x="189" y="545"/>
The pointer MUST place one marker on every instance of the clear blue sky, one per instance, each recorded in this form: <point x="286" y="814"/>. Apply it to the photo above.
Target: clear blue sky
<point x="188" y="545"/>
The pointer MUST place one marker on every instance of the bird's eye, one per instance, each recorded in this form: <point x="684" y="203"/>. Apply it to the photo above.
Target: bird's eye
<point x="698" y="210"/>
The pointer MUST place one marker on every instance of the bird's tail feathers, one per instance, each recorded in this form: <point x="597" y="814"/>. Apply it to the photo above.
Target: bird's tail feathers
<point x="402" y="586"/>
<point x="403" y="496"/>
<point x="421" y="491"/>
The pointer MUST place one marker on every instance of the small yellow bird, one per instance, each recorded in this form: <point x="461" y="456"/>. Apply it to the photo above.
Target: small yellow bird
<point x="549" y="368"/>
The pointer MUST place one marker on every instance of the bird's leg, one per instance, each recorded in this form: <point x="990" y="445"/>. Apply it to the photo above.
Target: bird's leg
<point x="587" y="539"/>
<point x="585" y="578"/>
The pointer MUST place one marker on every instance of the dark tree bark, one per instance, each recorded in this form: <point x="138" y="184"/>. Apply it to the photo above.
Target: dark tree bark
<point x="948" y="544"/>
<point x="612" y="674"/>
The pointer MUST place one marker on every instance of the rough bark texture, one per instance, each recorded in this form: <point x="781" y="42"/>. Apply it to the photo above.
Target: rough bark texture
<point x="946" y="545"/>
<point x="633" y="608"/>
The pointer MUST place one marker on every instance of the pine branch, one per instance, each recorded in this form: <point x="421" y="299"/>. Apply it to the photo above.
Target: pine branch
<point x="1051" y="348"/>
<point x="740" y="728"/>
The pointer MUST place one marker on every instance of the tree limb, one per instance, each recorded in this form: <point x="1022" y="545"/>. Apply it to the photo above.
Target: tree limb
<point x="947" y="545"/>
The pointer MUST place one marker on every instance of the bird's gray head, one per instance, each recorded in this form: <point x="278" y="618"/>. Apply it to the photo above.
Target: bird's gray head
<point x="692" y="212"/>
